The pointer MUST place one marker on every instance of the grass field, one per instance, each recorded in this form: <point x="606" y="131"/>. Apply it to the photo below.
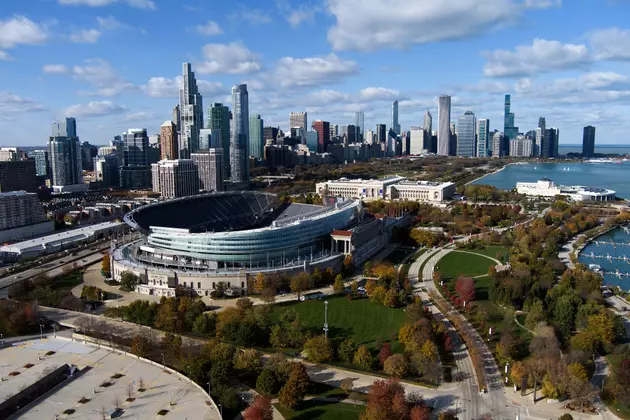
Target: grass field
<point x="492" y="251"/>
<point x="67" y="281"/>
<point x="461" y="263"/>
<point x="359" y="319"/>
<point x="398" y="255"/>
<point x="323" y="410"/>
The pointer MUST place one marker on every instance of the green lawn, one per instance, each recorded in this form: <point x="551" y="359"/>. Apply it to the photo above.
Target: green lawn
<point x="458" y="263"/>
<point x="398" y="255"/>
<point x="323" y="410"/>
<point x="359" y="319"/>
<point x="492" y="251"/>
<point x="67" y="281"/>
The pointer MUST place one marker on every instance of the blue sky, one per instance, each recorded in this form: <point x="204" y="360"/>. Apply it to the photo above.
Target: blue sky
<point x="113" y="64"/>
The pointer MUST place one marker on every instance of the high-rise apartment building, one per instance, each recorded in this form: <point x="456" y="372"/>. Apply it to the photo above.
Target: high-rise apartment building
<point x="64" y="152"/>
<point x="219" y="119"/>
<point x="175" y="178"/>
<point x="417" y="140"/>
<point x="298" y="119"/>
<point x="369" y="137"/>
<point x="550" y="143"/>
<point x="169" y="149"/>
<point x="359" y="120"/>
<point x="135" y="171"/>
<point x="483" y="137"/>
<point x="239" y="144"/>
<point x="209" y="139"/>
<point x="466" y="135"/>
<point x="191" y="113"/>
<point x="588" y="142"/>
<point x="444" y="129"/>
<point x="210" y="169"/>
<point x="88" y="153"/>
<point x="106" y="170"/>
<point x="257" y="142"/>
<point x="509" y="129"/>
<point x="42" y="166"/>
<point x="381" y="133"/>
<point x="323" y="135"/>
<point x="395" y="124"/>
<point x="521" y="146"/>
<point x="498" y="145"/>
<point x="18" y="175"/>
<point x="22" y="215"/>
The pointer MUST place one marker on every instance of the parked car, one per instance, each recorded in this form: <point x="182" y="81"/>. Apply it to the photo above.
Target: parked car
<point x="312" y="296"/>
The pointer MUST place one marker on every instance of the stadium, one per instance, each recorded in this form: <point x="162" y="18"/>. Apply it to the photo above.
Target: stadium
<point x="195" y="242"/>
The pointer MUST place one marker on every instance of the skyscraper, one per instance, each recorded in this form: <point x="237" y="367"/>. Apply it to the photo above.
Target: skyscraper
<point x="452" y="145"/>
<point x="550" y="143"/>
<point x="209" y="139"/>
<point x="360" y="124"/>
<point x="239" y="144"/>
<point x="351" y="132"/>
<point x="588" y="141"/>
<point x="466" y="134"/>
<point x="219" y="119"/>
<point x="209" y="169"/>
<point x="540" y="134"/>
<point x="509" y="129"/>
<point x="428" y="122"/>
<point x="191" y="113"/>
<point x="498" y="145"/>
<point x="298" y="119"/>
<point x="417" y="140"/>
<point x="136" y="171"/>
<point x="42" y="166"/>
<point x="444" y="128"/>
<point x="395" y="125"/>
<point x="64" y="152"/>
<point x="175" y="178"/>
<point x="106" y="170"/>
<point x="257" y="142"/>
<point x="483" y="137"/>
<point x="168" y="141"/>
<point x="323" y="135"/>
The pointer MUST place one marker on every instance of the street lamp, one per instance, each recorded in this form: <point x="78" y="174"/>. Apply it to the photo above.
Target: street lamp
<point x="221" y="410"/>
<point x="163" y="363"/>
<point x="326" y="319"/>
<point x="41" y="330"/>
<point x="209" y="389"/>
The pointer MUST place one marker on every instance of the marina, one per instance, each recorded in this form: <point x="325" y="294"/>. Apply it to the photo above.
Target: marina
<point x="609" y="255"/>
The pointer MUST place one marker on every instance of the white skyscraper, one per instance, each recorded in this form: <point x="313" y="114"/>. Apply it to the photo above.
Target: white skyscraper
<point x="239" y="144"/>
<point x="428" y="122"/>
<point x="417" y="140"/>
<point x="395" y="125"/>
<point x="444" y="127"/>
<point x="298" y="119"/>
<point x="191" y="113"/>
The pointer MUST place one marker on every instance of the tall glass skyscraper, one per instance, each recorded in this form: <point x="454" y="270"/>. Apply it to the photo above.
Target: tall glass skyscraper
<point x="466" y="134"/>
<point x="509" y="129"/>
<point x="360" y="124"/>
<point x="64" y="153"/>
<point x="191" y="113"/>
<point x="239" y="144"/>
<point x="444" y="128"/>
<point x="256" y="136"/>
<point x="65" y="128"/>
<point x="588" y="141"/>
<point x="219" y="120"/>
<point x="483" y="137"/>
<point x="395" y="125"/>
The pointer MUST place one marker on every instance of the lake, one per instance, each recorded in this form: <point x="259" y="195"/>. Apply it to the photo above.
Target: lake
<point x="605" y="149"/>
<point x="594" y="249"/>
<point x="602" y="175"/>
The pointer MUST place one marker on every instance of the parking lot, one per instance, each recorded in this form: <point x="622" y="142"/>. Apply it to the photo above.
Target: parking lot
<point x="108" y="380"/>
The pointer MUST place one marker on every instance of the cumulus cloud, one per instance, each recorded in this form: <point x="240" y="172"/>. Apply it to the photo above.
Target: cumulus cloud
<point x="12" y="103"/>
<point x="109" y="23"/>
<point x="21" y="30"/>
<point x="251" y="16"/>
<point x="541" y="56"/>
<point x="211" y="28"/>
<point x="86" y="36"/>
<point x="138" y="4"/>
<point x="312" y="71"/>
<point x="611" y="44"/>
<point x="100" y="74"/>
<point x="55" y="69"/>
<point x="233" y="58"/>
<point x="95" y="109"/>
<point x="304" y="13"/>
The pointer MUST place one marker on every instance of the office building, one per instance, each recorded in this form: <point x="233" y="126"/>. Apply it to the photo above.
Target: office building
<point x="381" y="133"/>
<point x="239" y="144"/>
<point x="428" y="122"/>
<point x="466" y="135"/>
<point x="209" y="169"/>
<point x="18" y="175"/>
<point x="169" y="149"/>
<point x="209" y="139"/>
<point x="298" y="119"/>
<point x="175" y="178"/>
<point x="588" y="142"/>
<point x="395" y="124"/>
<point x="351" y="133"/>
<point x="323" y="135"/>
<point x="257" y="142"/>
<point x="521" y="146"/>
<point x="22" y="216"/>
<point x="312" y="141"/>
<point x="219" y="119"/>
<point x="176" y="118"/>
<point x="270" y="133"/>
<point x="417" y="140"/>
<point x="550" y="143"/>
<point x="369" y="137"/>
<point x="359" y="120"/>
<point x="42" y="166"/>
<point x="444" y="129"/>
<point x="135" y="171"/>
<point x="452" y="146"/>
<point x="88" y="153"/>
<point x="64" y="152"/>
<point x="483" y="137"/>
<point x="8" y="154"/>
<point x="106" y="171"/>
<point x="540" y="134"/>
<point x="191" y="113"/>
<point x="498" y="145"/>
<point x="509" y="129"/>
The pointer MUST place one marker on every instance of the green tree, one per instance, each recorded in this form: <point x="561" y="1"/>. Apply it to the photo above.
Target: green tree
<point x="128" y="281"/>
<point x="318" y="349"/>
<point x="354" y="287"/>
<point x="346" y="350"/>
<point x="299" y="283"/>
<point x="363" y="358"/>
<point x="535" y="315"/>
<point x="338" y="287"/>
<point x="248" y="361"/>
<point x="205" y="324"/>
<point x="267" y="383"/>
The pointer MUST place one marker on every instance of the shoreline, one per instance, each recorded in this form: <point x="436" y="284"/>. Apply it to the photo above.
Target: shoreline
<point x="579" y="250"/>
<point x="491" y="173"/>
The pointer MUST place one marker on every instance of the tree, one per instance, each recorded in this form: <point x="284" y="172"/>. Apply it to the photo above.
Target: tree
<point x="205" y="324"/>
<point x="566" y="416"/>
<point x="517" y="373"/>
<point x="268" y="295"/>
<point x="299" y="284"/>
<point x="259" y="283"/>
<point x="465" y="288"/>
<point x="261" y="409"/>
<point x="267" y="383"/>
<point x="244" y="304"/>
<point x="405" y="334"/>
<point x="140" y="345"/>
<point x="396" y="366"/>
<point x="294" y="389"/>
<point x="420" y="413"/>
<point x="354" y="287"/>
<point x="577" y="371"/>
<point x="106" y="266"/>
<point x="363" y="358"/>
<point x="386" y="400"/>
<point x="535" y="315"/>
<point x="346" y="350"/>
<point x="249" y="361"/>
<point x="338" y="287"/>
<point x="128" y="281"/>
<point x="391" y="299"/>
<point x="318" y="349"/>
<point x="385" y="352"/>
<point x="171" y="345"/>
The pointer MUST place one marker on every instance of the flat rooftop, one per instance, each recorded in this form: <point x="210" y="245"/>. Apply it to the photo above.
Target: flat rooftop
<point x="189" y="401"/>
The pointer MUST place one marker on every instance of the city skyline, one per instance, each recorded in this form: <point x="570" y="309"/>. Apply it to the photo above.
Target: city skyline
<point x="86" y="69"/>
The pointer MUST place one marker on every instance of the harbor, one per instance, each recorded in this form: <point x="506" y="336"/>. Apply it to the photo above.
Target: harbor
<point x="609" y="255"/>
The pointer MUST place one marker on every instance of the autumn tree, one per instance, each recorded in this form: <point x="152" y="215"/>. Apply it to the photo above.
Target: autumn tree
<point x="299" y="283"/>
<point x="318" y="349"/>
<point x="386" y="400"/>
<point x="140" y="345"/>
<point x="248" y="361"/>
<point x="268" y="295"/>
<point x="363" y="358"/>
<point x="261" y="409"/>
<point x="346" y="350"/>
<point x="295" y="388"/>
<point x="465" y="288"/>
<point x="259" y="283"/>
<point x="106" y="266"/>
<point x="338" y="287"/>
<point x="385" y="353"/>
<point x="396" y="366"/>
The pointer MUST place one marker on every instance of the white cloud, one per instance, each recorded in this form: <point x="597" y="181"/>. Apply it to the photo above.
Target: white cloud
<point x="368" y="25"/>
<point x="233" y="58"/>
<point x="542" y="4"/>
<point x="312" y="71"/>
<point x="611" y="44"/>
<point x="163" y="87"/>
<point x="138" y="4"/>
<point x="55" y="69"/>
<point x="101" y="74"/>
<point x="94" y="109"/>
<point x="21" y="30"/>
<point x="86" y="36"/>
<point x="295" y="16"/>
<point x="109" y="23"/>
<point x="251" y="16"/>
<point x="378" y="94"/>
<point x="4" y="56"/>
<point x="211" y="28"/>
<point x="541" y="56"/>
<point x="140" y="116"/>
<point x="11" y="103"/>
